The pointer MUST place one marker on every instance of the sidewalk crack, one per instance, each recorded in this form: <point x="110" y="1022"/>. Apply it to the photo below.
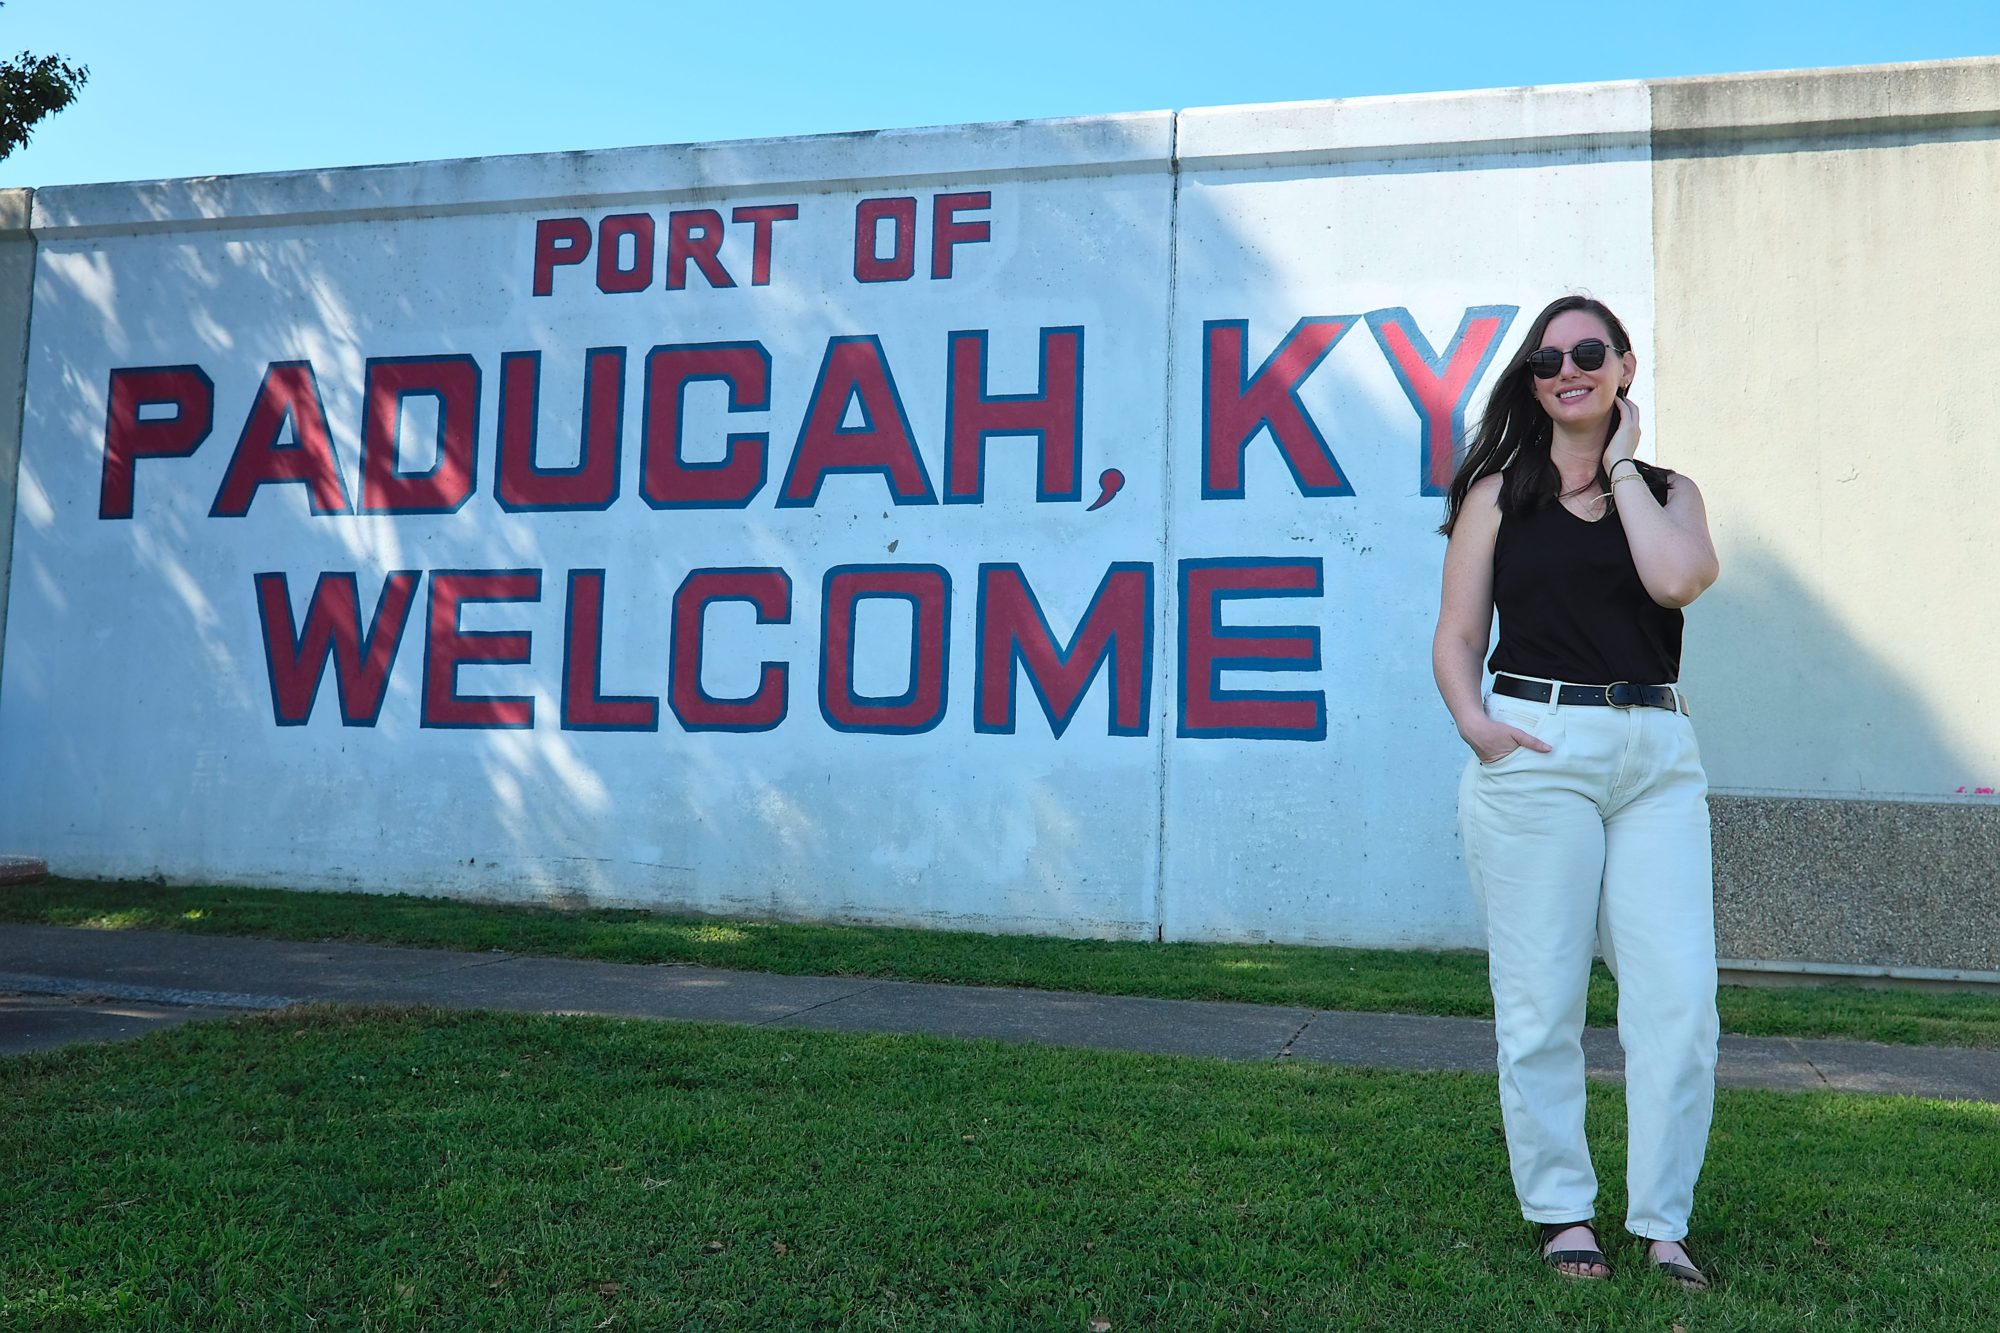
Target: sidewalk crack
<point x="1800" y="1052"/>
<point x="1285" y="1052"/>
<point x="467" y="967"/>
<point x="832" y="999"/>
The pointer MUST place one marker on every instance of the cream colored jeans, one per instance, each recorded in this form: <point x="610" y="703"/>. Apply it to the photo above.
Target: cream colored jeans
<point x="1601" y="843"/>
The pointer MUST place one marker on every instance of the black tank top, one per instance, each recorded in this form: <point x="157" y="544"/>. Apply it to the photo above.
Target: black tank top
<point x="1572" y="607"/>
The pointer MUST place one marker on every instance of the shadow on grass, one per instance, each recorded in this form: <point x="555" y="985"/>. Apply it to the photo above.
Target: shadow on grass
<point x="1365" y="980"/>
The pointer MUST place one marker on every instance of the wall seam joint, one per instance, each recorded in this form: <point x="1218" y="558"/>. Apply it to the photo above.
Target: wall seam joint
<point x="1169" y="613"/>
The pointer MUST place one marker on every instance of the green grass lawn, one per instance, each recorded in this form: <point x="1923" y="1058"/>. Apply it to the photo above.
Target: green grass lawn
<point x="355" y="1169"/>
<point x="1379" y="980"/>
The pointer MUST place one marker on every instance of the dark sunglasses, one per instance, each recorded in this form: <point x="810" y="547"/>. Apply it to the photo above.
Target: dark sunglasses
<point x="1547" y="362"/>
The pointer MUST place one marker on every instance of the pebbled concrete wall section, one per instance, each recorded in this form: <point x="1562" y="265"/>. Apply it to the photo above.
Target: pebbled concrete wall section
<point x="1870" y="883"/>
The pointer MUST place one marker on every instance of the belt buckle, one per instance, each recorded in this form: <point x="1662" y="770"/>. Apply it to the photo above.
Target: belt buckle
<point x="1631" y="700"/>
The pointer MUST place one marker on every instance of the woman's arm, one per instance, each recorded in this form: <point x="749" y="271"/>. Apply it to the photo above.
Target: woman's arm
<point x="1670" y="543"/>
<point x="1465" y="624"/>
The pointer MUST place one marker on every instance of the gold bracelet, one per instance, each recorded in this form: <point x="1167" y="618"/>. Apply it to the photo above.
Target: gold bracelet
<point x="1629" y="476"/>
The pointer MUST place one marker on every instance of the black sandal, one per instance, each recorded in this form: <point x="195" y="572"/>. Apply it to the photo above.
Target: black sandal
<point x="1581" y="1258"/>
<point x="1685" y="1276"/>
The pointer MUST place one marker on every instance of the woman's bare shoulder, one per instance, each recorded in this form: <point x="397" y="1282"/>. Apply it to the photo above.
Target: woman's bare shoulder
<point x="1681" y="484"/>
<point x="1484" y="495"/>
<point x="1480" y="512"/>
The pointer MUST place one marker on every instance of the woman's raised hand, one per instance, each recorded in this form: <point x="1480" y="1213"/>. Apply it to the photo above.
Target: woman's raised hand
<point x="1624" y="441"/>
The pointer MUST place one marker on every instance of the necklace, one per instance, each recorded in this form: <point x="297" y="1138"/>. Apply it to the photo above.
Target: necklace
<point x="1590" y="505"/>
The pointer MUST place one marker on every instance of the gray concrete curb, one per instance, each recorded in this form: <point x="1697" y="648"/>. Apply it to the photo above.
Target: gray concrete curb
<point x="217" y="974"/>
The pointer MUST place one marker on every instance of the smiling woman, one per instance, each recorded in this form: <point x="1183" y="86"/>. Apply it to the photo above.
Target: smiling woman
<point x="1582" y="806"/>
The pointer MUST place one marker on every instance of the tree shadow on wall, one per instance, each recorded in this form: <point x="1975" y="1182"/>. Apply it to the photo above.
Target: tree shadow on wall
<point x="148" y="777"/>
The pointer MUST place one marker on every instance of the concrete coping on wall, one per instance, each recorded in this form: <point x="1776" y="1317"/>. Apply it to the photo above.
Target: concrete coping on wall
<point x="16" y="213"/>
<point x="1606" y="120"/>
<point x="1925" y="96"/>
<point x="1575" y="118"/>
<point x="1092" y="145"/>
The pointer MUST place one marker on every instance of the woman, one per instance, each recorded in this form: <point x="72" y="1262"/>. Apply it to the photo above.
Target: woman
<point x="1583" y="808"/>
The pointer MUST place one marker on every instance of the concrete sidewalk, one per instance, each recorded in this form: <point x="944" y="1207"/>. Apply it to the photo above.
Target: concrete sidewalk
<point x="60" y="985"/>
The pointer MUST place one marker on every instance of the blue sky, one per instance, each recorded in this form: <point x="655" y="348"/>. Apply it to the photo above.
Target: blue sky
<point x="214" y="86"/>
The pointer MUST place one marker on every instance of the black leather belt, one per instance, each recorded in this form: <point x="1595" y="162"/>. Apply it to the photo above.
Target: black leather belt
<point x="1618" y="694"/>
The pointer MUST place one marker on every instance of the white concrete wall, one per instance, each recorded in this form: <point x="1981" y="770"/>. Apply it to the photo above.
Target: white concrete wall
<point x="1239" y="765"/>
<point x="141" y="694"/>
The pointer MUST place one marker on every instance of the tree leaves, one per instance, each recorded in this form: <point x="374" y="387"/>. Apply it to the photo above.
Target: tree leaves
<point x="32" y="87"/>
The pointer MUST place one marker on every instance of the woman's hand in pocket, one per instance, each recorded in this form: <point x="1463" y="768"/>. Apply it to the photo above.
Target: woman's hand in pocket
<point x="1493" y="740"/>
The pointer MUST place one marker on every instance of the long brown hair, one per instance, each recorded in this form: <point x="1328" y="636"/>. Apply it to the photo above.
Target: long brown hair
<point x="1514" y="434"/>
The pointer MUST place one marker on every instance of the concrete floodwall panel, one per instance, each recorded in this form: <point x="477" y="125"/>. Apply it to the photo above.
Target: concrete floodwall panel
<point x="1830" y="366"/>
<point x="1348" y="273"/>
<point x="1830" y="373"/>
<point x="17" y="287"/>
<point x="641" y="526"/>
